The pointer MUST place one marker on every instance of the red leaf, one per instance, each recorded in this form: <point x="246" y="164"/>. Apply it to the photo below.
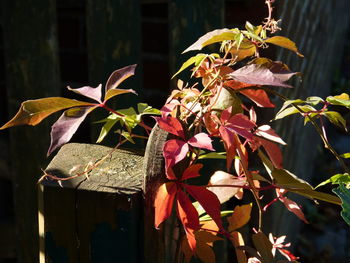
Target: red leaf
<point x="90" y="92"/>
<point x="260" y="75"/>
<point x="242" y="121"/>
<point x="287" y="254"/>
<point x="273" y="151"/>
<point x="259" y="96"/>
<point x="201" y="140"/>
<point x="192" y="171"/>
<point x="65" y="127"/>
<point x="171" y="125"/>
<point x="174" y="151"/>
<point x="163" y="202"/>
<point x="188" y="215"/>
<point x="208" y="200"/>
<point x="230" y="145"/>
<point x="294" y="208"/>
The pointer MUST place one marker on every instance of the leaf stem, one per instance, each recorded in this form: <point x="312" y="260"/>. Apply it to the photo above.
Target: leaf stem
<point x="327" y="145"/>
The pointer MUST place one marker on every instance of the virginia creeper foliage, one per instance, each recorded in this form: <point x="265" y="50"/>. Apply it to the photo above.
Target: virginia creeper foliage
<point x="213" y="116"/>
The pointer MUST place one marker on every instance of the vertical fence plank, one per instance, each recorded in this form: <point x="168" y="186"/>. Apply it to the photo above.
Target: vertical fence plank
<point x="114" y="41"/>
<point x="188" y="20"/>
<point x="31" y="72"/>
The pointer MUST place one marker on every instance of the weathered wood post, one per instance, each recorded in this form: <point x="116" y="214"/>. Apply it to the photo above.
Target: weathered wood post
<point x="97" y="217"/>
<point x="101" y="216"/>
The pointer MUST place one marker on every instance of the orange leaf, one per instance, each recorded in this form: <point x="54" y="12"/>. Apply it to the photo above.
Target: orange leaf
<point x="188" y="216"/>
<point x="32" y="112"/>
<point x="285" y="43"/>
<point x="164" y="202"/>
<point x="240" y="217"/>
<point x="208" y="200"/>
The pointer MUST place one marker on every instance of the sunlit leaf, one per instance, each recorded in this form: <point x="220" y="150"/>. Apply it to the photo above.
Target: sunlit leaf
<point x="117" y="77"/>
<point x="65" y="127"/>
<point x="193" y="60"/>
<point x="223" y="178"/>
<point x="341" y="100"/>
<point x="240" y="217"/>
<point x="201" y="140"/>
<point x="115" y="92"/>
<point x="336" y="179"/>
<point x="174" y="151"/>
<point x="192" y="171"/>
<point x="33" y="112"/>
<point x="284" y="42"/>
<point x="208" y="217"/>
<point x="267" y="132"/>
<point x="244" y="50"/>
<point x="110" y="121"/>
<point x="215" y="36"/>
<point x="293" y="110"/>
<point x="344" y="195"/>
<point x="290" y="182"/>
<point x="345" y="155"/>
<point x="213" y="155"/>
<point x="335" y="118"/>
<point x="163" y="203"/>
<point x="171" y="125"/>
<point x="189" y="218"/>
<point x="259" y="75"/>
<point x="144" y="108"/>
<point x="207" y="200"/>
<point x="314" y="100"/>
<point x="90" y="92"/>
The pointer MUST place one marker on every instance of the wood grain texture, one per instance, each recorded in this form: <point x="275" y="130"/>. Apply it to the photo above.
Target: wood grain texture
<point x="119" y="172"/>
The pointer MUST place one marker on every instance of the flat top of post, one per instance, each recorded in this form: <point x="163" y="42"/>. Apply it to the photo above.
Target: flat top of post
<point x="119" y="171"/>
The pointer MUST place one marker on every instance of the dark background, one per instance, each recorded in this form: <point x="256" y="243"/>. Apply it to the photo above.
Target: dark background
<point x="82" y="52"/>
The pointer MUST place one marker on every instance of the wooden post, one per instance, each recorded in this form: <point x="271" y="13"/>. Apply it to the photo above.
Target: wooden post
<point x="30" y="45"/>
<point x="96" y="217"/>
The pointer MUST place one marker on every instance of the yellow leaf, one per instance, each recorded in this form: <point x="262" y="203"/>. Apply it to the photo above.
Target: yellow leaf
<point x="33" y="112"/>
<point x="285" y="43"/>
<point x="343" y="96"/>
<point x="240" y="217"/>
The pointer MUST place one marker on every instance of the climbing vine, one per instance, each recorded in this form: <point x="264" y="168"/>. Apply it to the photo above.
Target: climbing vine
<point x="215" y="117"/>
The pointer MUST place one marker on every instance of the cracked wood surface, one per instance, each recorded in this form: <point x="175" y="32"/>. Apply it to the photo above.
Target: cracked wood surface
<point x="117" y="172"/>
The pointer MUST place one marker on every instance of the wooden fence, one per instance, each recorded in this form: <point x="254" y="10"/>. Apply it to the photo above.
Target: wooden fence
<point x="42" y="53"/>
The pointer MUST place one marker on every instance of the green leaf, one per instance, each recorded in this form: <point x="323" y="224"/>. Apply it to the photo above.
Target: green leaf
<point x="110" y="121"/>
<point x="285" y="43"/>
<point x="335" y="118"/>
<point x="144" y="108"/>
<point x="32" y="112"/>
<point x="293" y="110"/>
<point x="126" y="135"/>
<point x="193" y="60"/>
<point x="341" y="100"/>
<point x="213" y="155"/>
<point x="222" y="214"/>
<point x="264" y="246"/>
<point x="314" y="100"/>
<point x="345" y="155"/>
<point x="344" y="195"/>
<point x="215" y="36"/>
<point x="292" y="183"/>
<point x="337" y="179"/>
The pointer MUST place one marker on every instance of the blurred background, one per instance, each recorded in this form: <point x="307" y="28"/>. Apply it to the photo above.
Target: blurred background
<point x="46" y="45"/>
